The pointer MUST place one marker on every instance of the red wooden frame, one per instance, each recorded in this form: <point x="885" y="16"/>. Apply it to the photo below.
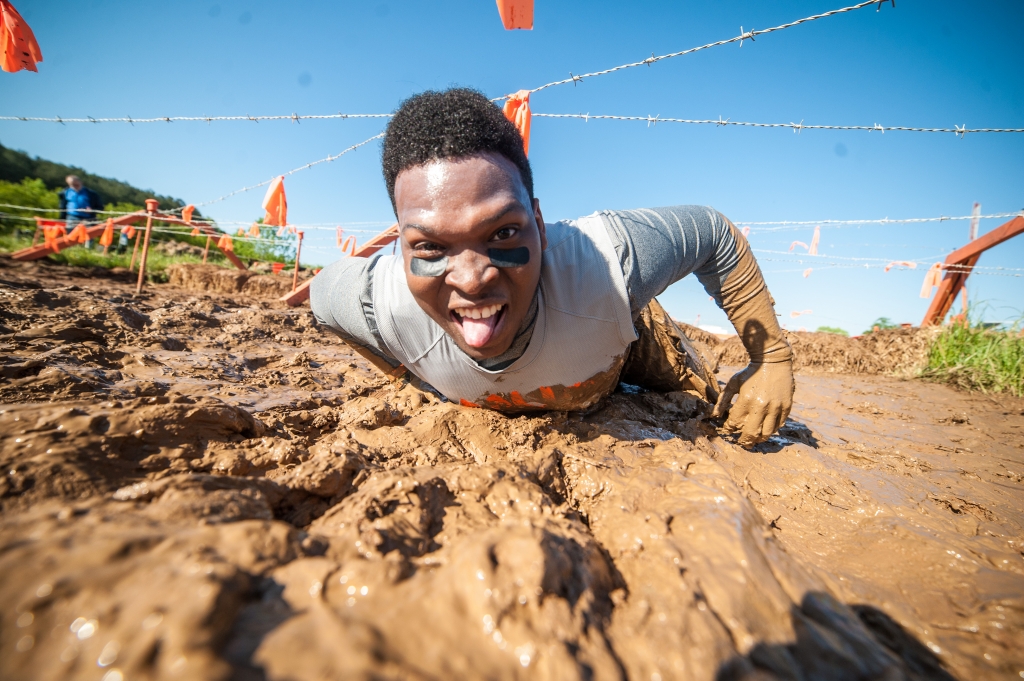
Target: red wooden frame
<point x="959" y="264"/>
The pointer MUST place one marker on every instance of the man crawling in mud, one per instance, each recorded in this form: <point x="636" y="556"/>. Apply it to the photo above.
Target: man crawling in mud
<point x="495" y="308"/>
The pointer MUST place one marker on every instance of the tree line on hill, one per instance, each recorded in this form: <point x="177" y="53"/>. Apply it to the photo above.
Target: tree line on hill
<point x="16" y="166"/>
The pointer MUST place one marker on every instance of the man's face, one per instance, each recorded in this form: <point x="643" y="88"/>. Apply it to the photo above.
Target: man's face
<point x="74" y="183"/>
<point x="479" y="240"/>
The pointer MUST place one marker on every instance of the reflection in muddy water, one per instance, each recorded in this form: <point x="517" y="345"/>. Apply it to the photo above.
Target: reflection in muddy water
<point x="207" y="486"/>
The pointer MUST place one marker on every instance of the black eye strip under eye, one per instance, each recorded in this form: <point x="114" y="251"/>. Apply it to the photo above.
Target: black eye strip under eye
<point x="421" y="267"/>
<point x="500" y="257"/>
<point x="509" y="257"/>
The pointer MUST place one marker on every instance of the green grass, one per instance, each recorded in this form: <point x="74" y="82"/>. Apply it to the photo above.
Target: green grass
<point x="975" y="358"/>
<point x="157" y="262"/>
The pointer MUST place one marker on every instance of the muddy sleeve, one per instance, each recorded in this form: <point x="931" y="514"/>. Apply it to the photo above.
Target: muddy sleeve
<point x="659" y="246"/>
<point x="341" y="298"/>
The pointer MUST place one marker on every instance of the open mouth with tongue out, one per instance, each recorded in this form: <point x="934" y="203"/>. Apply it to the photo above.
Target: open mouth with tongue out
<point x="478" y="324"/>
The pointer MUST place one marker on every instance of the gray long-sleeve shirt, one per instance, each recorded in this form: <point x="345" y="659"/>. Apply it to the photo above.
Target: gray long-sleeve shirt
<point x="656" y="248"/>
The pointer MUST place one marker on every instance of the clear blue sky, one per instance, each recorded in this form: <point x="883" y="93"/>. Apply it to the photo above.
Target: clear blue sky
<point x="922" y="63"/>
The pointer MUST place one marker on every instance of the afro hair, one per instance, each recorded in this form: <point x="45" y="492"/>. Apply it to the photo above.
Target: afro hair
<point x="449" y="124"/>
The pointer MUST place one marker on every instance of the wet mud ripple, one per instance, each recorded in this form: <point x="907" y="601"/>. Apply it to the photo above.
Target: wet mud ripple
<point x="204" y="487"/>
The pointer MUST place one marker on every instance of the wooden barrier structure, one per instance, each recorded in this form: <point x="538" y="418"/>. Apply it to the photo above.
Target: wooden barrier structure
<point x="39" y="251"/>
<point x="301" y="293"/>
<point x="958" y="266"/>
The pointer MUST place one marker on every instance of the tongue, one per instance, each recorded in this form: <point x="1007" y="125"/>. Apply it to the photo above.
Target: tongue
<point x="478" y="331"/>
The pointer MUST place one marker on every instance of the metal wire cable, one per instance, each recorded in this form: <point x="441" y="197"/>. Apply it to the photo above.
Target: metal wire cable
<point x="796" y="127"/>
<point x="295" y="118"/>
<point x="744" y="35"/>
<point x="292" y="171"/>
<point x="787" y="224"/>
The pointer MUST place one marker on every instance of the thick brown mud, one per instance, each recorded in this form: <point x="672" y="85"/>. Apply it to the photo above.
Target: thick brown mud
<point x="207" y="485"/>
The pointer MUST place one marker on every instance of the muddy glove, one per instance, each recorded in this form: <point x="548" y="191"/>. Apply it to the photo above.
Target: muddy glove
<point x="765" y="388"/>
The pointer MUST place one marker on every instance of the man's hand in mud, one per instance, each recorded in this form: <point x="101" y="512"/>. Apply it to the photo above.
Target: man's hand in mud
<point x="765" y="398"/>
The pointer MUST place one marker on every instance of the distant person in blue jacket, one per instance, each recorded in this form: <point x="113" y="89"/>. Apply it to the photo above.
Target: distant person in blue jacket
<point x="78" y="204"/>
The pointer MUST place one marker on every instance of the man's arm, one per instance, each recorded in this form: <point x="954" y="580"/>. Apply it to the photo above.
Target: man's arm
<point x="341" y="297"/>
<point x="660" y="246"/>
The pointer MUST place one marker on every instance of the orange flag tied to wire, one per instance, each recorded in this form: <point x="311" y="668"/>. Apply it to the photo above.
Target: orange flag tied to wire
<point x="108" y="234"/>
<point x="128" y="231"/>
<point x="79" y="234"/>
<point x="901" y="263"/>
<point x="18" y="47"/>
<point x="813" y="250"/>
<point x="194" y="232"/>
<point x="51" y="234"/>
<point x="225" y="243"/>
<point x="275" y="204"/>
<point x="517" y="110"/>
<point x="186" y="213"/>
<point x="254" y="230"/>
<point x="516" y="14"/>
<point x="933" y="277"/>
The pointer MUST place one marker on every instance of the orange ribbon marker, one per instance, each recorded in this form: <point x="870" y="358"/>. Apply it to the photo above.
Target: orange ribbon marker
<point x="18" y="47"/>
<point x="129" y="231"/>
<point x="79" y="234"/>
<point x="194" y="232"/>
<point x="275" y="204"/>
<point x="808" y="271"/>
<point x="186" y="213"/>
<point x="108" y="234"/>
<point x="516" y="14"/>
<point x="933" y="277"/>
<point x="240" y="232"/>
<point x="51" y="234"/>
<point x="901" y="263"/>
<point x="225" y="243"/>
<point x="254" y="230"/>
<point x="517" y="110"/>
<point x="813" y="250"/>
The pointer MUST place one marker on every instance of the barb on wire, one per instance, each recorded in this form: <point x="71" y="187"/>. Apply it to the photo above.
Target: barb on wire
<point x="797" y="127"/>
<point x="744" y="35"/>
<point x="292" y="171"/>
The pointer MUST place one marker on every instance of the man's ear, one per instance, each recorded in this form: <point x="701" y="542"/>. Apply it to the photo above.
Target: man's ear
<point x="540" y="225"/>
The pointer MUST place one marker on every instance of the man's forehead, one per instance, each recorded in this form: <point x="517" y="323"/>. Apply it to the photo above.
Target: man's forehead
<point x="461" y="179"/>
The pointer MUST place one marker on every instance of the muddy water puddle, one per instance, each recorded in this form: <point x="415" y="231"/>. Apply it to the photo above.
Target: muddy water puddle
<point x="209" y="487"/>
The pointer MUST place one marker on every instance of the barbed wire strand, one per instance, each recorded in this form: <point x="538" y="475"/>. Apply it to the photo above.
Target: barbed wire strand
<point x="292" y="171"/>
<point x="295" y="118"/>
<point x="959" y="130"/>
<point x="744" y="35"/>
<point x="796" y="127"/>
<point x="653" y="59"/>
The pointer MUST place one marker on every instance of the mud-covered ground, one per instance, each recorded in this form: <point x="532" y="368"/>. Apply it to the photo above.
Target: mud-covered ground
<point x="207" y="486"/>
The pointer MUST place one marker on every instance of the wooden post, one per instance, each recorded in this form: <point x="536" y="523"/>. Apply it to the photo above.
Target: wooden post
<point x="135" y="249"/>
<point x="151" y="206"/>
<point x="207" y="249"/>
<point x="298" y="252"/>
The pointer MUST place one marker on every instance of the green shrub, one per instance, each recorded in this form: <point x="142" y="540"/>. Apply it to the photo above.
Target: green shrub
<point x="970" y="356"/>
<point x="882" y="323"/>
<point x="832" y="329"/>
